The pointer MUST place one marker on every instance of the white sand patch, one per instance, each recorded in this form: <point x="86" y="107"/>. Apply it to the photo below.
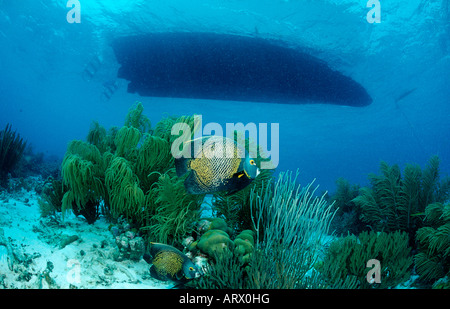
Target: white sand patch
<point x="69" y="253"/>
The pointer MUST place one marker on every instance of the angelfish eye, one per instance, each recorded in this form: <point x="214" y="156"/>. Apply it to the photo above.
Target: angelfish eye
<point x="191" y="268"/>
<point x="252" y="162"/>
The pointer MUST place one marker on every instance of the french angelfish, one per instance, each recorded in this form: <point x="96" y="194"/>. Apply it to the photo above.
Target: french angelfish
<point x="219" y="165"/>
<point x="169" y="263"/>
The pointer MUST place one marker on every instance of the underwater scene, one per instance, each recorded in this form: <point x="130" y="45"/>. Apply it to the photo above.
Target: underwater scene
<point x="231" y="145"/>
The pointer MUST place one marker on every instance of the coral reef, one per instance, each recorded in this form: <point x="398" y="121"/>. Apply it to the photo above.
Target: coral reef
<point x="244" y="245"/>
<point x="83" y="171"/>
<point x="236" y="208"/>
<point x="215" y="254"/>
<point x="289" y="225"/>
<point x="214" y="242"/>
<point x="225" y="272"/>
<point x="11" y="150"/>
<point x="393" y="201"/>
<point x="433" y="259"/>
<point x="345" y="261"/>
<point x="173" y="212"/>
<point x="129" y="244"/>
<point x="37" y="164"/>
<point x="52" y="194"/>
<point x="347" y="218"/>
<point x="128" y="171"/>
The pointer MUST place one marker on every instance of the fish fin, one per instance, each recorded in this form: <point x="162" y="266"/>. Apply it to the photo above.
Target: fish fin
<point x="148" y="258"/>
<point x="155" y="274"/>
<point x="178" y="285"/>
<point x="181" y="166"/>
<point x="191" y="184"/>
<point x="231" y="192"/>
<point x="241" y="174"/>
<point x="239" y="181"/>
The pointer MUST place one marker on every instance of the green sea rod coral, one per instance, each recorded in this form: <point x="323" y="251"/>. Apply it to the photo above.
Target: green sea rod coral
<point x="433" y="259"/>
<point x="163" y="129"/>
<point x="153" y="158"/>
<point x="97" y="136"/>
<point x="125" y="170"/>
<point x="347" y="218"/>
<point x="394" y="200"/>
<point x="235" y="208"/>
<point x="171" y="212"/>
<point x="11" y="150"/>
<point x="346" y="260"/>
<point x="225" y="272"/>
<point x="125" y="195"/>
<point x="83" y="172"/>
<point x="126" y="141"/>
<point x="290" y="224"/>
<point x="136" y="118"/>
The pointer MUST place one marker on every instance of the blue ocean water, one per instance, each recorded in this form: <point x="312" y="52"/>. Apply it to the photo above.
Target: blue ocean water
<point x="403" y="62"/>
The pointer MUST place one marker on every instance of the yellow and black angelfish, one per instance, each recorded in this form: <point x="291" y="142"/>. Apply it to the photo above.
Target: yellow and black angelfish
<point x="218" y="165"/>
<point x="169" y="263"/>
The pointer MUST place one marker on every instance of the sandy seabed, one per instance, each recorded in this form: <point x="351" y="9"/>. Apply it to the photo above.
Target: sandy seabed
<point x="50" y="252"/>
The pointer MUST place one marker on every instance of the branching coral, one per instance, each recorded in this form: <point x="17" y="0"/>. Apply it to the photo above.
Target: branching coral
<point x="346" y="260"/>
<point x="393" y="202"/>
<point x="153" y="157"/>
<point x="171" y="212"/>
<point x="125" y="196"/>
<point x="136" y="118"/>
<point x="127" y="169"/>
<point x="11" y="150"/>
<point x="51" y="199"/>
<point x="347" y="213"/>
<point x="97" y="136"/>
<point x="163" y="129"/>
<point x="236" y="207"/>
<point x="226" y="272"/>
<point x="83" y="171"/>
<point x="293" y="222"/>
<point x="126" y="141"/>
<point x="433" y="259"/>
